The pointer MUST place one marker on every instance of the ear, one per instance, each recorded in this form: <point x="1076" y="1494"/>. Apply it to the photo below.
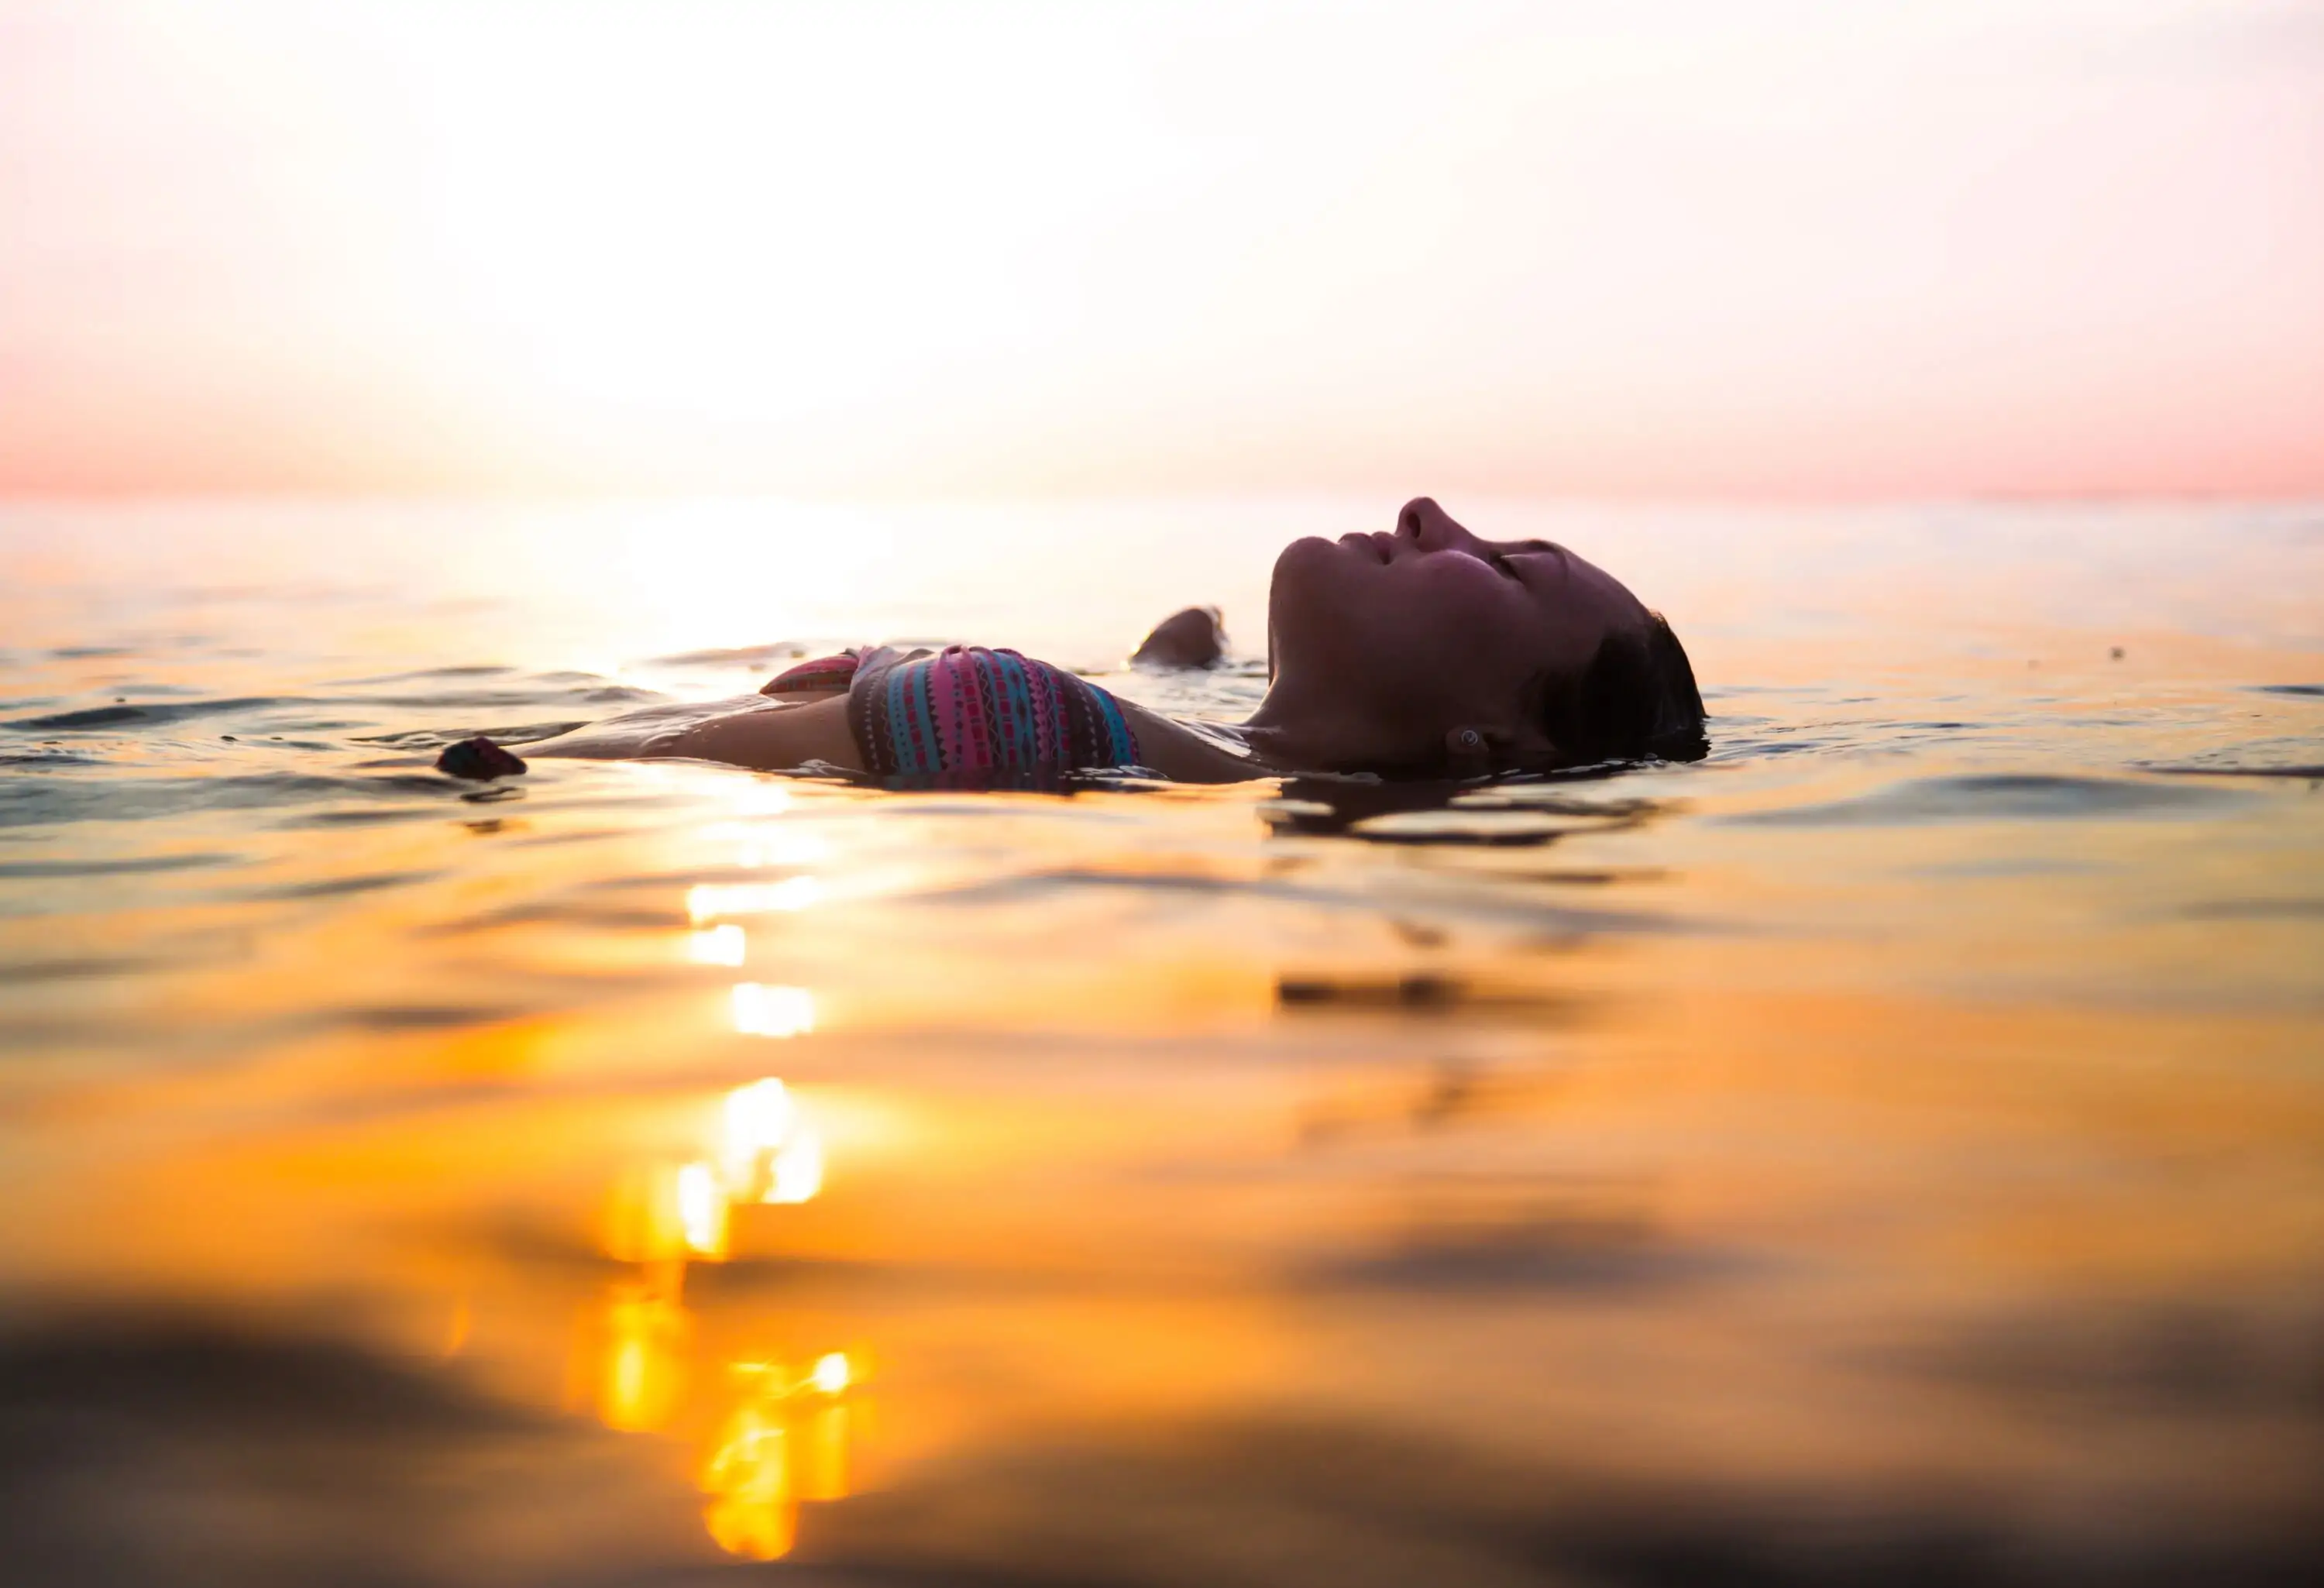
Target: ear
<point x="1467" y="753"/>
<point x="1474" y="750"/>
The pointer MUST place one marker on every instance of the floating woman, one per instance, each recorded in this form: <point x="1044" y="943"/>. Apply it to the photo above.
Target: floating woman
<point x="1421" y="653"/>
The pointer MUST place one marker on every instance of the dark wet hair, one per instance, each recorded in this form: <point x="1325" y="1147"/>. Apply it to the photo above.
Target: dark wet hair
<point x="1635" y="699"/>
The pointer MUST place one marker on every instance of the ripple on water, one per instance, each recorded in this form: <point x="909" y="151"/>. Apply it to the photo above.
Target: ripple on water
<point x="502" y="699"/>
<point x="437" y="738"/>
<point x="335" y="887"/>
<point x="2310" y="770"/>
<point x="466" y="670"/>
<point x="1469" y="900"/>
<point x="82" y="968"/>
<point x="2255" y="910"/>
<point x="584" y="693"/>
<point x="1509" y="824"/>
<point x="2002" y="798"/>
<point x="36" y="759"/>
<point x="1517" y="812"/>
<point x="1429" y="992"/>
<point x="738" y="656"/>
<point x="52" y="801"/>
<point x="110" y="868"/>
<point x="152" y="713"/>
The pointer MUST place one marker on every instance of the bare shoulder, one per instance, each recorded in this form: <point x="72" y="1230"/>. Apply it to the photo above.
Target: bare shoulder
<point x="1183" y="756"/>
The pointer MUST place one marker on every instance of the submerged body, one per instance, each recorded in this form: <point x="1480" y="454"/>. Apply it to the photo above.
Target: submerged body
<point x="963" y="716"/>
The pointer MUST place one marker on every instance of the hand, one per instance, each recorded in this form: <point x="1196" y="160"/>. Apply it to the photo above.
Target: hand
<point x="1192" y="638"/>
<point x="479" y="759"/>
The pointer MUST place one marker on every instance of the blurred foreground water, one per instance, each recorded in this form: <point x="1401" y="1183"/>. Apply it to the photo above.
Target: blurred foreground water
<point x="1893" y="1150"/>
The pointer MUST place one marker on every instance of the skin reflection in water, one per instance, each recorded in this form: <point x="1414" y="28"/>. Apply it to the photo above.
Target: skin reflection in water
<point x="786" y="1435"/>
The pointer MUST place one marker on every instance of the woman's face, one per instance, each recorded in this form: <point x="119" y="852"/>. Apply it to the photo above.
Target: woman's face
<point x="1406" y="637"/>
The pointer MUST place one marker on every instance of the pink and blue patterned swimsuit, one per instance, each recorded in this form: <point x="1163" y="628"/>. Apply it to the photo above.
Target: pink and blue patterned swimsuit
<point x="970" y="717"/>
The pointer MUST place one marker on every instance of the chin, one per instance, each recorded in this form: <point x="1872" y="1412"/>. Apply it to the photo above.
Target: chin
<point x="1299" y="574"/>
<point x="1303" y="575"/>
<point x="1317" y="571"/>
<point x="1309" y="604"/>
<point x="1301" y="554"/>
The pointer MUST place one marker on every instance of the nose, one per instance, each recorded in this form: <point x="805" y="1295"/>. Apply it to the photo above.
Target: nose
<point x="1424" y="521"/>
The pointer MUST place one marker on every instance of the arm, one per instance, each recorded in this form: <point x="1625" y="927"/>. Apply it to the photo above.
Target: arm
<point x="772" y="737"/>
<point x="767" y="735"/>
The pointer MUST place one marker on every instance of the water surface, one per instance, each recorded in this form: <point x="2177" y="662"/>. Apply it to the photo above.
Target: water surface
<point x="1893" y="1147"/>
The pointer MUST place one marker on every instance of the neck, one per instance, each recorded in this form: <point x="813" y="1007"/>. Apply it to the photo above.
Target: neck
<point x="1279" y="749"/>
<point x="1294" y="730"/>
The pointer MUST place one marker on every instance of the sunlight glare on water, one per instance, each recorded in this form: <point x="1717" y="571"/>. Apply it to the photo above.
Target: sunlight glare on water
<point x="1901" y="1133"/>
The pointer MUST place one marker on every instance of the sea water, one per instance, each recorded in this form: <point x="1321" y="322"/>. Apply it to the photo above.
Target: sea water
<point x="1893" y="1147"/>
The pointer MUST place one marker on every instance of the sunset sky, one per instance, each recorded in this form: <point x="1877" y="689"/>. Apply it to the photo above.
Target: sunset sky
<point x="1746" y="248"/>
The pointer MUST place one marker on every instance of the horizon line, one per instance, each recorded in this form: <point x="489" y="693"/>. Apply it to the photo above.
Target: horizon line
<point x="139" y="496"/>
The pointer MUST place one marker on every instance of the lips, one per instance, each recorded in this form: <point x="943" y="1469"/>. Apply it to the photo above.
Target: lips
<point x="1382" y="546"/>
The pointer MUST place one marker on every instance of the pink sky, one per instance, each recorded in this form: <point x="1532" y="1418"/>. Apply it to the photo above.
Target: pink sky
<point x="1661" y="247"/>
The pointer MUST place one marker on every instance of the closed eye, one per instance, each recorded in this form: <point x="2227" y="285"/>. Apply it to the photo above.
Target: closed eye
<point x="1500" y="559"/>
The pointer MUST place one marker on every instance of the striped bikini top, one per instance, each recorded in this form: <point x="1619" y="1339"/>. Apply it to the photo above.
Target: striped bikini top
<point x="968" y="717"/>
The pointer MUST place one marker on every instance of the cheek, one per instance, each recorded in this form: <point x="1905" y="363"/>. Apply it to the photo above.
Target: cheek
<point x="1448" y="639"/>
<point x="1427" y="637"/>
<point x="1470" y="616"/>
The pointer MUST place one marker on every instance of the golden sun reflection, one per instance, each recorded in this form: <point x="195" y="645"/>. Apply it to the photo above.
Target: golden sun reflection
<point x="662" y="1216"/>
<point x="758" y="1117"/>
<point x="763" y="798"/>
<point x="752" y="1513"/>
<point x="761" y="1010"/>
<point x="643" y="1377"/>
<point x="768" y="1155"/>
<point x="723" y="945"/>
<point x="710" y="901"/>
<point x="702" y="1211"/>
<point x="648" y="1216"/>
<point x="786" y="1442"/>
<point x="796" y="1171"/>
<point x="757" y="845"/>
